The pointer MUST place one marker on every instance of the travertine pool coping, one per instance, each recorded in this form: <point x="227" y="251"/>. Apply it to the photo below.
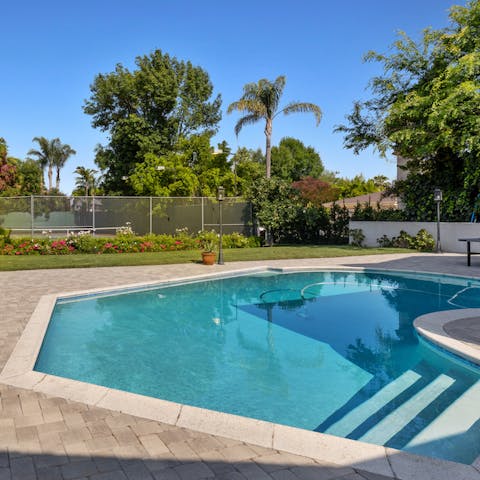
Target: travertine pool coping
<point x="376" y="459"/>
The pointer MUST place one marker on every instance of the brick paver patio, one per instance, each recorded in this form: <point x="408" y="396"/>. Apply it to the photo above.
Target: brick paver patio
<point x="42" y="437"/>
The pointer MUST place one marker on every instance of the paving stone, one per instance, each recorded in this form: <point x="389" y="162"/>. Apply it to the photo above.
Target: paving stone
<point x="106" y="464"/>
<point x="238" y="453"/>
<point x="320" y="472"/>
<point x="168" y="474"/>
<point x="5" y="474"/>
<point x="77" y="469"/>
<point x="183" y="452"/>
<point x="284" y="475"/>
<point x="49" y="473"/>
<point x="22" y="468"/>
<point x="174" y="436"/>
<point x="153" y="445"/>
<point x="115" y="475"/>
<point x="252" y="471"/>
<point x="193" y="470"/>
<point x="204" y="444"/>
<point x="281" y="461"/>
<point x="137" y="470"/>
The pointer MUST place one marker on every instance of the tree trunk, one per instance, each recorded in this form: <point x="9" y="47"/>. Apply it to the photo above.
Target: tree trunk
<point x="268" y="145"/>
<point x="58" y="180"/>
<point x="50" y="177"/>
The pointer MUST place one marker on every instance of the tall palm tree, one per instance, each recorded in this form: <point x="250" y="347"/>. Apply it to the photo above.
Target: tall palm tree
<point x="51" y="154"/>
<point x="61" y="156"/>
<point x="86" y="179"/>
<point x="44" y="156"/>
<point x="260" y="101"/>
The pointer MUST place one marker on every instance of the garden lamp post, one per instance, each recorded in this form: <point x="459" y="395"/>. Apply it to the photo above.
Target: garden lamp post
<point x="220" y="198"/>
<point x="437" y="197"/>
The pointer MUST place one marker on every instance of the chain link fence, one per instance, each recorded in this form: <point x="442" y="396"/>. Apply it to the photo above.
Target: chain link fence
<point x="38" y="215"/>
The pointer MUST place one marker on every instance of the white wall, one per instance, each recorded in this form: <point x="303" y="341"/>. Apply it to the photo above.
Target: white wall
<point x="450" y="232"/>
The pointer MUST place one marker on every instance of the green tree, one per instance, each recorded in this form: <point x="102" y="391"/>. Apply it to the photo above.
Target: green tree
<point x="292" y="160"/>
<point x="86" y="181"/>
<point x="353" y="187"/>
<point x="148" y="111"/>
<point x="8" y="171"/>
<point x="260" y="102"/>
<point x="30" y="177"/>
<point x="248" y="167"/>
<point x="426" y="107"/>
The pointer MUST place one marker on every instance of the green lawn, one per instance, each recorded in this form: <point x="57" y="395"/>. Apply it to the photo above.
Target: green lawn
<point x="164" y="258"/>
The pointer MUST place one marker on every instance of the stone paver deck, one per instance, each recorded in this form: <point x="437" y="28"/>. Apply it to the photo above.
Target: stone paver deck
<point x="43" y="437"/>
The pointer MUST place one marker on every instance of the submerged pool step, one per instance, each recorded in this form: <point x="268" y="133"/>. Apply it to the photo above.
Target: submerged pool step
<point x="455" y="420"/>
<point x="399" y="418"/>
<point x="357" y="416"/>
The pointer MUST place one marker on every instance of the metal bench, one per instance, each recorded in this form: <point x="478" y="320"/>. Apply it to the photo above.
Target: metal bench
<point x="469" y="251"/>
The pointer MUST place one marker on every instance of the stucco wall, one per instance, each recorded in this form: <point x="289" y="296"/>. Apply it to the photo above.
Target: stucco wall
<point x="450" y="232"/>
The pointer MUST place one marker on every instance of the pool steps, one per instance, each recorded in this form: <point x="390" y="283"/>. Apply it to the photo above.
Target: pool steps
<point x="356" y="417"/>
<point x="458" y="418"/>
<point x="393" y="423"/>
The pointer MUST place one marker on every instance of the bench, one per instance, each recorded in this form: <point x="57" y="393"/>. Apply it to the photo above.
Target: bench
<point x="469" y="251"/>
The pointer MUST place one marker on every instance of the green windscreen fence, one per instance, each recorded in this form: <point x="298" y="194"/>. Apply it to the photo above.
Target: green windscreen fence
<point x="56" y="215"/>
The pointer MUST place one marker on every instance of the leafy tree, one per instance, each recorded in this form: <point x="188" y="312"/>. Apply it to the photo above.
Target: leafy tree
<point x="8" y="170"/>
<point x="356" y="186"/>
<point x="260" y="101"/>
<point x="149" y="111"/>
<point x="30" y="177"/>
<point x="292" y="160"/>
<point x="316" y="191"/>
<point x="86" y="181"/>
<point x="248" y="167"/>
<point x="426" y="107"/>
<point x="275" y="204"/>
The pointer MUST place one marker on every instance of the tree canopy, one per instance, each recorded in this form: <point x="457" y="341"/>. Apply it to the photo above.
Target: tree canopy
<point x="147" y="111"/>
<point x="426" y="108"/>
<point x="292" y="160"/>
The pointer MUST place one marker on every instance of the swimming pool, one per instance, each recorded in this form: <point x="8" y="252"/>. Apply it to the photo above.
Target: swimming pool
<point x="333" y="352"/>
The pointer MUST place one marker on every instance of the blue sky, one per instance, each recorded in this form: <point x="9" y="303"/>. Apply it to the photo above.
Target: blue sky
<point x="52" y="50"/>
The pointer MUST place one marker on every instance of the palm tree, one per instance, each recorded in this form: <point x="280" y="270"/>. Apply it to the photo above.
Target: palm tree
<point x="60" y="158"/>
<point x="51" y="153"/>
<point x="86" y="179"/>
<point x="260" y="101"/>
<point x="44" y="156"/>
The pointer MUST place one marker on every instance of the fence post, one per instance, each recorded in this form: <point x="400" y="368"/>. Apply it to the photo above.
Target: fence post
<point x="31" y="215"/>
<point x="93" y="213"/>
<point x="203" y="214"/>
<point x="151" y="215"/>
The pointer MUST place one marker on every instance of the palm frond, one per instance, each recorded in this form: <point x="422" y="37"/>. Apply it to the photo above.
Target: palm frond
<point x="247" y="120"/>
<point x="303" y="107"/>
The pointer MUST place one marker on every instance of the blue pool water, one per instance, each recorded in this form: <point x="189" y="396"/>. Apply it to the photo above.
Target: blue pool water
<point x="333" y="352"/>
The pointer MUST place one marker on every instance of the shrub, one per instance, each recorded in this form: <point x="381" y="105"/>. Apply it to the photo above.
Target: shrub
<point x="356" y="237"/>
<point x="424" y="241"/>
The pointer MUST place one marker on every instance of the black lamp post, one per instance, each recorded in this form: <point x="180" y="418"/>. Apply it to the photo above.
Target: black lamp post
<point x="220" y="198"/>
<point x="437" y="197"/>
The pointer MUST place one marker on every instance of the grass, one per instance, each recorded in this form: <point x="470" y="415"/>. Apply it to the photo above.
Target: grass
<point x="189" y="256"/>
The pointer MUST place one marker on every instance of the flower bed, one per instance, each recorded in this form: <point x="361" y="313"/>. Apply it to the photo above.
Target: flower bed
<point x="122" y="242"/>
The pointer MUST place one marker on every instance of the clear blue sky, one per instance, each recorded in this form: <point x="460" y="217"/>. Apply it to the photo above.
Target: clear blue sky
<point x="51" y="51"/>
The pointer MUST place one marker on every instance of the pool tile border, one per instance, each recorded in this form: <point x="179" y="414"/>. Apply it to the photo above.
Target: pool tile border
<point x="375" y="459"/>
